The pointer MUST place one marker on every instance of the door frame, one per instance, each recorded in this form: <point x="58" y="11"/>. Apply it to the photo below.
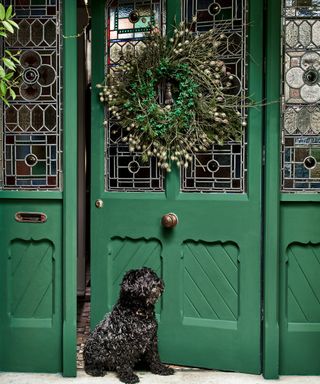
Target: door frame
<point x="271" y="256"/>
<point x="69" y="251"/>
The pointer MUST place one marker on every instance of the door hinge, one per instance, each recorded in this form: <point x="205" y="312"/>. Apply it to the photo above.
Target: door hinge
<point x="263" y="155"/>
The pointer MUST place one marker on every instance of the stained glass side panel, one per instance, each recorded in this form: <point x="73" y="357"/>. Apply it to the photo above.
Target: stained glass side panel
<point x="223" y="168"/>
<point x="31" y="125"/>
<point x="126" y="24"/>
<point x="301" y="96"/>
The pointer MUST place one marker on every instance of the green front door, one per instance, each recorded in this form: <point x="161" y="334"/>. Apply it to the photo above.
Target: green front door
<point x="210" y="312"/>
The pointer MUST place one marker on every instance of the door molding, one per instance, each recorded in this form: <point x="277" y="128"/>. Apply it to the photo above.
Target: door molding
<point x="270" y="352"/>
<point x="69" y="344"/>
<point x="97" y="109"/>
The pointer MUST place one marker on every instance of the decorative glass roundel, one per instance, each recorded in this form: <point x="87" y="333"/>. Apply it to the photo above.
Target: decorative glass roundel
<point x="306" y="77"/>
<point x="35" y="75"/>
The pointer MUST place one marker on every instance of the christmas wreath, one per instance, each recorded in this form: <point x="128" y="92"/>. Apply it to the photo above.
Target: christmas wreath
<point x="174" y="96"/>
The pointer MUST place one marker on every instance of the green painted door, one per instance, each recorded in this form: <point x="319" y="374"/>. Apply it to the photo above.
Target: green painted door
<point x="210" y="312"/>
<point x="292" y="194"/>
<point x="31" y="308"/>
<point x="37" y="195"/>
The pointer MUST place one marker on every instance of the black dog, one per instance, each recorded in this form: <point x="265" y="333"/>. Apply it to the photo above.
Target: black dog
<point x="129" y="334"/>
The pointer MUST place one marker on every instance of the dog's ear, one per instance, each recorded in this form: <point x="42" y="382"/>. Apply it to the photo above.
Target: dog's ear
<point x="128" y="282"/>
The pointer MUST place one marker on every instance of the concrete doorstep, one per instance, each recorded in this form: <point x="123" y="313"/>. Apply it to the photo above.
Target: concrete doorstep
<point x="181" y="376"/>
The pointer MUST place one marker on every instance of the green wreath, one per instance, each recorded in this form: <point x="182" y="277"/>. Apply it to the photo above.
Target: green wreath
<point x="174" y="97"/>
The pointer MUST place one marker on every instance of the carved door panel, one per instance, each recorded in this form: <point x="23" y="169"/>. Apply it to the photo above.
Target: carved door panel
<point x="209" y="315"/>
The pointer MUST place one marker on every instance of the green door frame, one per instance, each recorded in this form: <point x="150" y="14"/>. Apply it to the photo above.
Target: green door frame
<point x="70" y="96"/>
<point x="272" y="192"/>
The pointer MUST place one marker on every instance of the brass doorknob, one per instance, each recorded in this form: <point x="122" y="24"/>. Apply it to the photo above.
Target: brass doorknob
<point x="99" y="203"/>
<point x="170" y="220"/>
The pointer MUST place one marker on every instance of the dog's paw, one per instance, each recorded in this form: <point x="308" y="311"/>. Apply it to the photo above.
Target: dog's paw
<point x="129" y="378"/>
<point x="161" y="369"/>
<point x="95" y="372"/>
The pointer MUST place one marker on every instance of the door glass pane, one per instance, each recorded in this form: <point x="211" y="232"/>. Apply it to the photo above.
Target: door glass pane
<point x="126" y="24"/>
<point x="223" y="168"/>
<point x="301" y="96"/>
<point x="31" y="125"/>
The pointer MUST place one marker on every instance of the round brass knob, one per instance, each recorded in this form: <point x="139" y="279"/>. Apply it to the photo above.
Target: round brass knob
<point x="170" y="220"/>
<point x="99" y="203"/>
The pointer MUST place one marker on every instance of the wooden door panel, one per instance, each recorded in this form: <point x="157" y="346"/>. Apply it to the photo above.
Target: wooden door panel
<point x="31" y="290"/>
<point x="300" y="289"/>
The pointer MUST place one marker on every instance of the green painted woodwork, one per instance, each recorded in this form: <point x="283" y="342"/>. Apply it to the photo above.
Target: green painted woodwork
<point x="173" y="14"/>
<point x="31" y="270"/>
<point x="38" y="261"/>
<point x="302" y="289"/>
<point x="124" y="254"/>
<point x="97" y="111"/>
<point x="299" y="288"/>
<point x="31" y="288"/>
<point x="211" y="281"/>
<point x="69" y="221"/>
<point x="291" y="244"/>
<point x="210" y="311"/>
<point x="29" y="195"/>
<point x="272" y="188"/>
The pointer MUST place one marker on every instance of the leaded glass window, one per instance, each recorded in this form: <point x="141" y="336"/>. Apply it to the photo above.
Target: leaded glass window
<point x="31" y="125"/>
<point x="301" y="96"/>
<point x="126" y="24"/>
<point x="223" y="169"/>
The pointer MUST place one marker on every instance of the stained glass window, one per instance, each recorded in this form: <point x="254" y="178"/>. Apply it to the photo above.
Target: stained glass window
<point x="31" y="125"/>
<point x="223" y="168"/>
<point x="301" y="96"/>
<point x="126" y="24"/>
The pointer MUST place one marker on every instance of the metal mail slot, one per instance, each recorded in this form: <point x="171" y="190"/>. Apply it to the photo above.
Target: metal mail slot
<point x="31" y="217"/>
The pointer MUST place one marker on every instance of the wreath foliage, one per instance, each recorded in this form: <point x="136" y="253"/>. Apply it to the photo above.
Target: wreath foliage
<point x="174" y="96"/>
<point x="8" y="61"/>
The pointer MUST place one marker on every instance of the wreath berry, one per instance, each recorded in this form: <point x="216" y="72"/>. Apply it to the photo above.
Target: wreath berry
<point x="174" y="96"/>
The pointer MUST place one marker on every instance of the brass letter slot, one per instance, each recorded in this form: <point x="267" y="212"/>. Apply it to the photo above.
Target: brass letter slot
<point x="31" y="217"/>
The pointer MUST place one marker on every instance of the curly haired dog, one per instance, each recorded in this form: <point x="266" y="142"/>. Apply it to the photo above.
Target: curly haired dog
<point x="129" y="334"/>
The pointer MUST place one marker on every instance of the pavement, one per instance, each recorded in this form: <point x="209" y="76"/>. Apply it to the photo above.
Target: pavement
<point x="181" y="376"/>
